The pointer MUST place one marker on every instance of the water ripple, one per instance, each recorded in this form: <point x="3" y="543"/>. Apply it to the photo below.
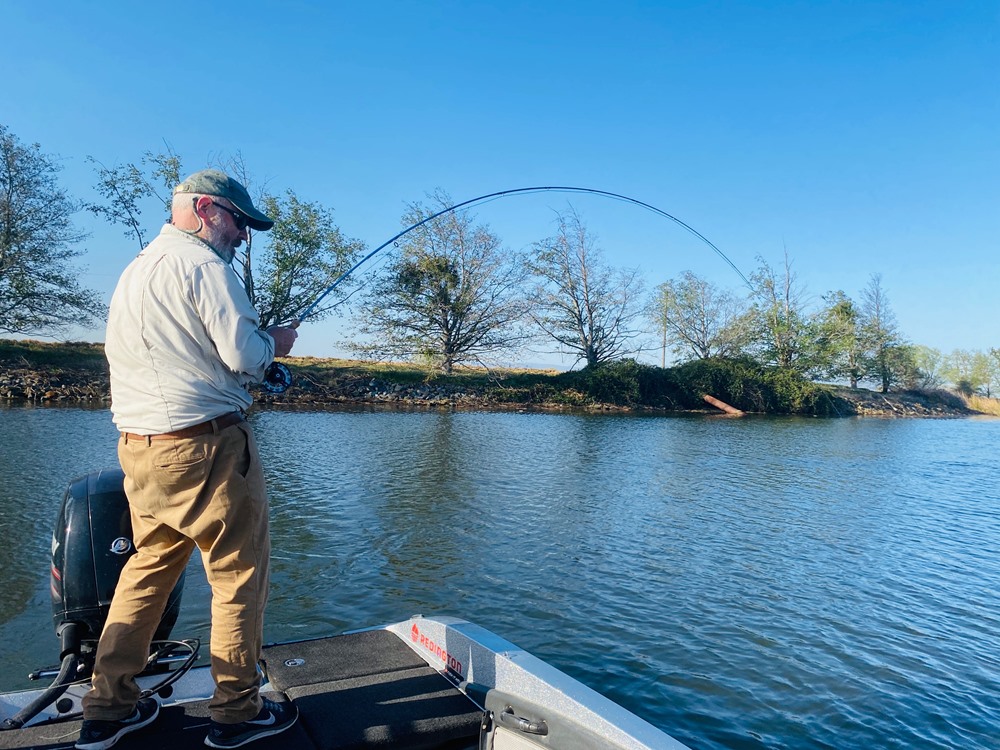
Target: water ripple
<point x="753" y="583"/>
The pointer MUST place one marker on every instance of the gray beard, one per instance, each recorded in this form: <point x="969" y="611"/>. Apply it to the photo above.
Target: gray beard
<point x="225" y="251"/>
<point x="227" y="256"/>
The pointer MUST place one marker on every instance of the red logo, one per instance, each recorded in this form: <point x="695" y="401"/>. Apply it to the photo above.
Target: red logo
<point x="451" y="663"/>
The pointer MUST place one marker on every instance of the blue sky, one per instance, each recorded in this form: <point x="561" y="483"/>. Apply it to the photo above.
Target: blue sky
<point x="861" y="137"/>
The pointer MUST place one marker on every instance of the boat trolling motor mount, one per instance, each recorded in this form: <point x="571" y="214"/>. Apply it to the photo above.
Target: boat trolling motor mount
<point x="91" y="542"/>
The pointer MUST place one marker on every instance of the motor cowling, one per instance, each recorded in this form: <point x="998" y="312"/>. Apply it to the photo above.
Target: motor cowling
<point x="91" y="542"/>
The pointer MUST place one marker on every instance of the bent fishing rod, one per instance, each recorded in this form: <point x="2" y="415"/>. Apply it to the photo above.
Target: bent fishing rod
<point x="277" y="377"/>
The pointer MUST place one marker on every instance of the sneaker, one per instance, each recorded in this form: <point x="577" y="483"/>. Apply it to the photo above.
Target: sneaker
<point x="272" y="719"/>
<point x="96" y="734"/>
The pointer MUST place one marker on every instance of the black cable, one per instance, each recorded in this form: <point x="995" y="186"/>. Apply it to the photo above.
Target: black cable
<point x="57" y="688"/>
<point x="193" y="645"/>
<point x="69" y="666"/>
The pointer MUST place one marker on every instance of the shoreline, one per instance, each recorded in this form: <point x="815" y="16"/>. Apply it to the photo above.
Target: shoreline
<point x="21" y="383"/>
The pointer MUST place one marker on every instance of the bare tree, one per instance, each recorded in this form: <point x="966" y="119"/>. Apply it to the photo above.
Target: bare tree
<point x="586" y="307"/>
<point x="451" y="294"/>
<point x="126" y="188"/>
<point x="696" y="317"/>
<point x="39" y="289"/>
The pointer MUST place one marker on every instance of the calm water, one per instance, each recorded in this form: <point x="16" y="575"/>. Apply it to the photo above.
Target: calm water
<point x="750" y="583"/>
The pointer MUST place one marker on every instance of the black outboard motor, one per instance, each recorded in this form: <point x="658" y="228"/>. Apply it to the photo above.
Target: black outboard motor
<point x="90" y="544"/>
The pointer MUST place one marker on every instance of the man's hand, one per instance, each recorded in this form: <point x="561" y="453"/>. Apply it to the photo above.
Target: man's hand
<point x="284" y="337"/>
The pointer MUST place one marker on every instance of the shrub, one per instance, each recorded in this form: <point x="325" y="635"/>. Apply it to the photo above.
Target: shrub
<point x="624" y="382"/>
<point x="752" y="387"/>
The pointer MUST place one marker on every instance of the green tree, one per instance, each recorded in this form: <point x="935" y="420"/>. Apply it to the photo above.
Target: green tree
<point x="887" y="359"/>
<point x="781" y="328"/>
<point x="994" y="370"/>
<point x="929" y="368"/>
<point x="902" y="365"/>
<point x="451" y="293"/>
<point x="585" y="306"/>
<point x="957" y="369"/>
<point x="971" y="372"/>
<point x="840" y="346"/>
<point x="284" y="270"/>
<point x="39" y="288"/>
<point x="981" y="374"/>
<point x="694" y="316"/>
<point x="301" y="256"/>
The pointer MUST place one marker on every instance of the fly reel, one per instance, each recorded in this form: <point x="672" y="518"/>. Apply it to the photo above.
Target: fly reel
<point x="277" y="378"/>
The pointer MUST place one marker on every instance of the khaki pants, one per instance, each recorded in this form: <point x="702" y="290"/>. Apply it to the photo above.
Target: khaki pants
<point x="208" y="492"/>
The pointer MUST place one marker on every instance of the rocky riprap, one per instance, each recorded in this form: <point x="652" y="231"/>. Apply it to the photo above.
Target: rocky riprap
<point x="56" y="386"/>
<point x="306" y="390"/>
<point x="865" y="403"/>
<point x="69" y="386"/>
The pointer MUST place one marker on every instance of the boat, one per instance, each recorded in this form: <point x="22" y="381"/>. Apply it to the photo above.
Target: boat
<point x="423" y="683"/>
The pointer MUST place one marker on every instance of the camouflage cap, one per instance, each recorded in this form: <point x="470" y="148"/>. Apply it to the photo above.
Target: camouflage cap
<point x="221" y="185"/>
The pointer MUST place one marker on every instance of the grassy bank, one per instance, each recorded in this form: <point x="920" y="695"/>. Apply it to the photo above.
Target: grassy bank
<point x="38" y="354"/>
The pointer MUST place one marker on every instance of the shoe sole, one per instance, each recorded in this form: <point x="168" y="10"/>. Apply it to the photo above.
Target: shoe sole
<point x="113" y="740"/>
<point x="256" y="736"/>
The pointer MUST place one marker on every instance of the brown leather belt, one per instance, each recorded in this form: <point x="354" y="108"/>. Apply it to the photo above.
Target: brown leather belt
<point x="203" y="428"/>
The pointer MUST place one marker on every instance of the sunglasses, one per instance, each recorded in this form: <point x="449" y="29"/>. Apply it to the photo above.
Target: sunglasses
<point x="239" y="219"/>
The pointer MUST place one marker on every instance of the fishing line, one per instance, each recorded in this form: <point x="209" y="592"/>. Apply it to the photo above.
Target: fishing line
<point x="277" y="378"/>
<point x="522" y="191"/>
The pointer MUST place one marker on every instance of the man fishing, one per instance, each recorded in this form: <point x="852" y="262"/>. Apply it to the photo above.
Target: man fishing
<point x="183" y="342"/>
